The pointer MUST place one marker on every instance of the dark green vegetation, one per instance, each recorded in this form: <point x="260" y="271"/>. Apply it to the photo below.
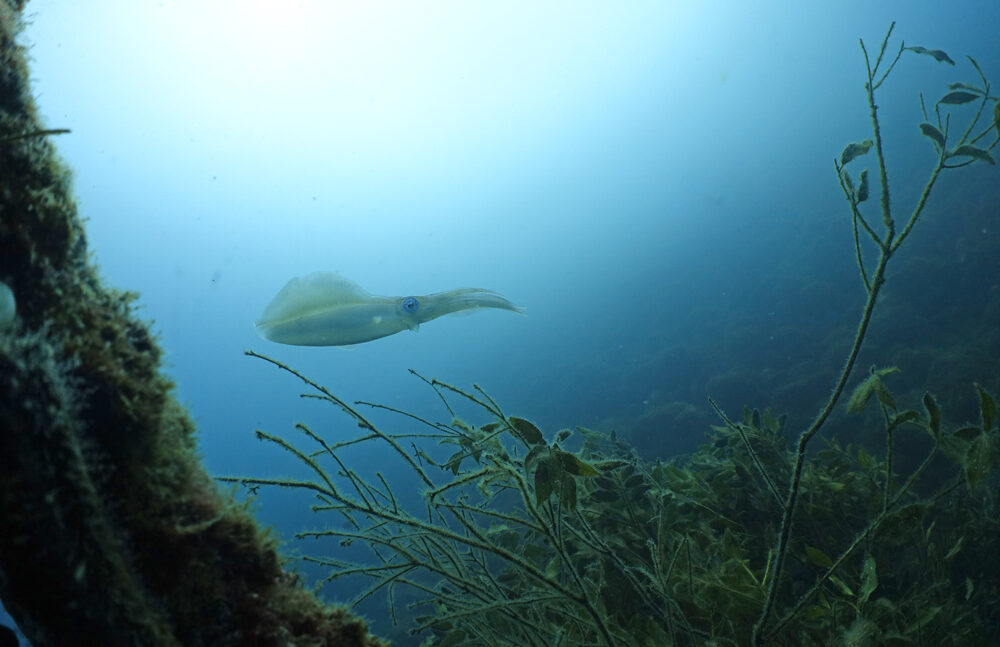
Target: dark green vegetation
<point x="112" y="533"/>
<point x="571" y="538"/>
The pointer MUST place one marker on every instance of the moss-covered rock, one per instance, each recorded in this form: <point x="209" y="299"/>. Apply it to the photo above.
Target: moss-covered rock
<point x="112" y="534"/>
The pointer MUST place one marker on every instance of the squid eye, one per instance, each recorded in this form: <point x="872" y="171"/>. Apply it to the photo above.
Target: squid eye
<point x="410" y="304"/>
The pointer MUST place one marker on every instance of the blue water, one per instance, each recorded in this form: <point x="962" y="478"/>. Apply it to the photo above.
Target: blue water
<point x="631" y="174"/>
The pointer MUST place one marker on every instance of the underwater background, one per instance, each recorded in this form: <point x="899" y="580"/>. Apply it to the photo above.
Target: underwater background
<point x="653" y="183"/>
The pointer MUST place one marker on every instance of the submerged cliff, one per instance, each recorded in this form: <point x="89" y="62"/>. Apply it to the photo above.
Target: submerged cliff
<point x="113" y="533"/>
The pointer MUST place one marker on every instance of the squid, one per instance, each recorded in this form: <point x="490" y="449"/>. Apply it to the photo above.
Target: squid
<point x="326" y="309"/>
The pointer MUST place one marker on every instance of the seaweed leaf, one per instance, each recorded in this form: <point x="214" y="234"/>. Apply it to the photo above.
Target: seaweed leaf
<point x="972" y="151"/>
<point x="987" y="409"/>
<point x="865" y="460"/>
<point x="453" y="638"/>
<point x="964" y="86"/>
<point x="526" y="430"/>
<point x="956" y="446"/>
<point x="871" y="384"/>
<point x="958" y="97"/>
<point x="818" y="557"/>
<point x="604" y="496"/>
<point x="552" y="568"/>
<point x="567" y="494"/>
<point x="902" y="418"/>
<point x="570" y="463"/>
<point x="855" y="150"/>
<point x="534" y="454"/>
<point x="840" y="584"/>
<point x="863" y="186"/>
<point x="869" y="579"/>
<point x="955" y="549"/>
<point x="545" y="480"/>
<point x="933" y="133"/>
<point x="978" y="460"/>
<point x="968" y="434"/>
<point x="933" y="415"/>
<point x="938" y="54"/>
<point x="883" y="394"/>
<point x="897" y="527"/>
<point x="847" y="180"/>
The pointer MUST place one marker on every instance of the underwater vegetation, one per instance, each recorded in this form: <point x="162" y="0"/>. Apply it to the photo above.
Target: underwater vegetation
<point x="569" y="537"/>
<point x="8" y="306"/>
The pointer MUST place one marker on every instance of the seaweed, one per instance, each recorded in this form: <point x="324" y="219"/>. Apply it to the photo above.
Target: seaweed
<point x="521" y="540"/>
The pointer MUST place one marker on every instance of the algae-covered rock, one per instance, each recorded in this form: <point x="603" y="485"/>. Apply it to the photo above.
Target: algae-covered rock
<point x="113" y="533"/>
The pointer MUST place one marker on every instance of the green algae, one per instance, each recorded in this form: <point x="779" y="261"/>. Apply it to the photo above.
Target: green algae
<point x="744" y="542"/>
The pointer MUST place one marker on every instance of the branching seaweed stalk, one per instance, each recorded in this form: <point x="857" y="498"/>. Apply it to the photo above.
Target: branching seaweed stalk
<point x="887" y="243"/>
<point x="518" y="541"/>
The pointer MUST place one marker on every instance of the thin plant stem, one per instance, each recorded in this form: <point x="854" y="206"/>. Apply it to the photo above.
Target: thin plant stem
<point x="887" y="246"/>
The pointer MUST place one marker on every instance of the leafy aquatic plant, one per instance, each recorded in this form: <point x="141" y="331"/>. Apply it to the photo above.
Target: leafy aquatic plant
<point x="521" y="540"/>
<point x="953" y="152"/>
